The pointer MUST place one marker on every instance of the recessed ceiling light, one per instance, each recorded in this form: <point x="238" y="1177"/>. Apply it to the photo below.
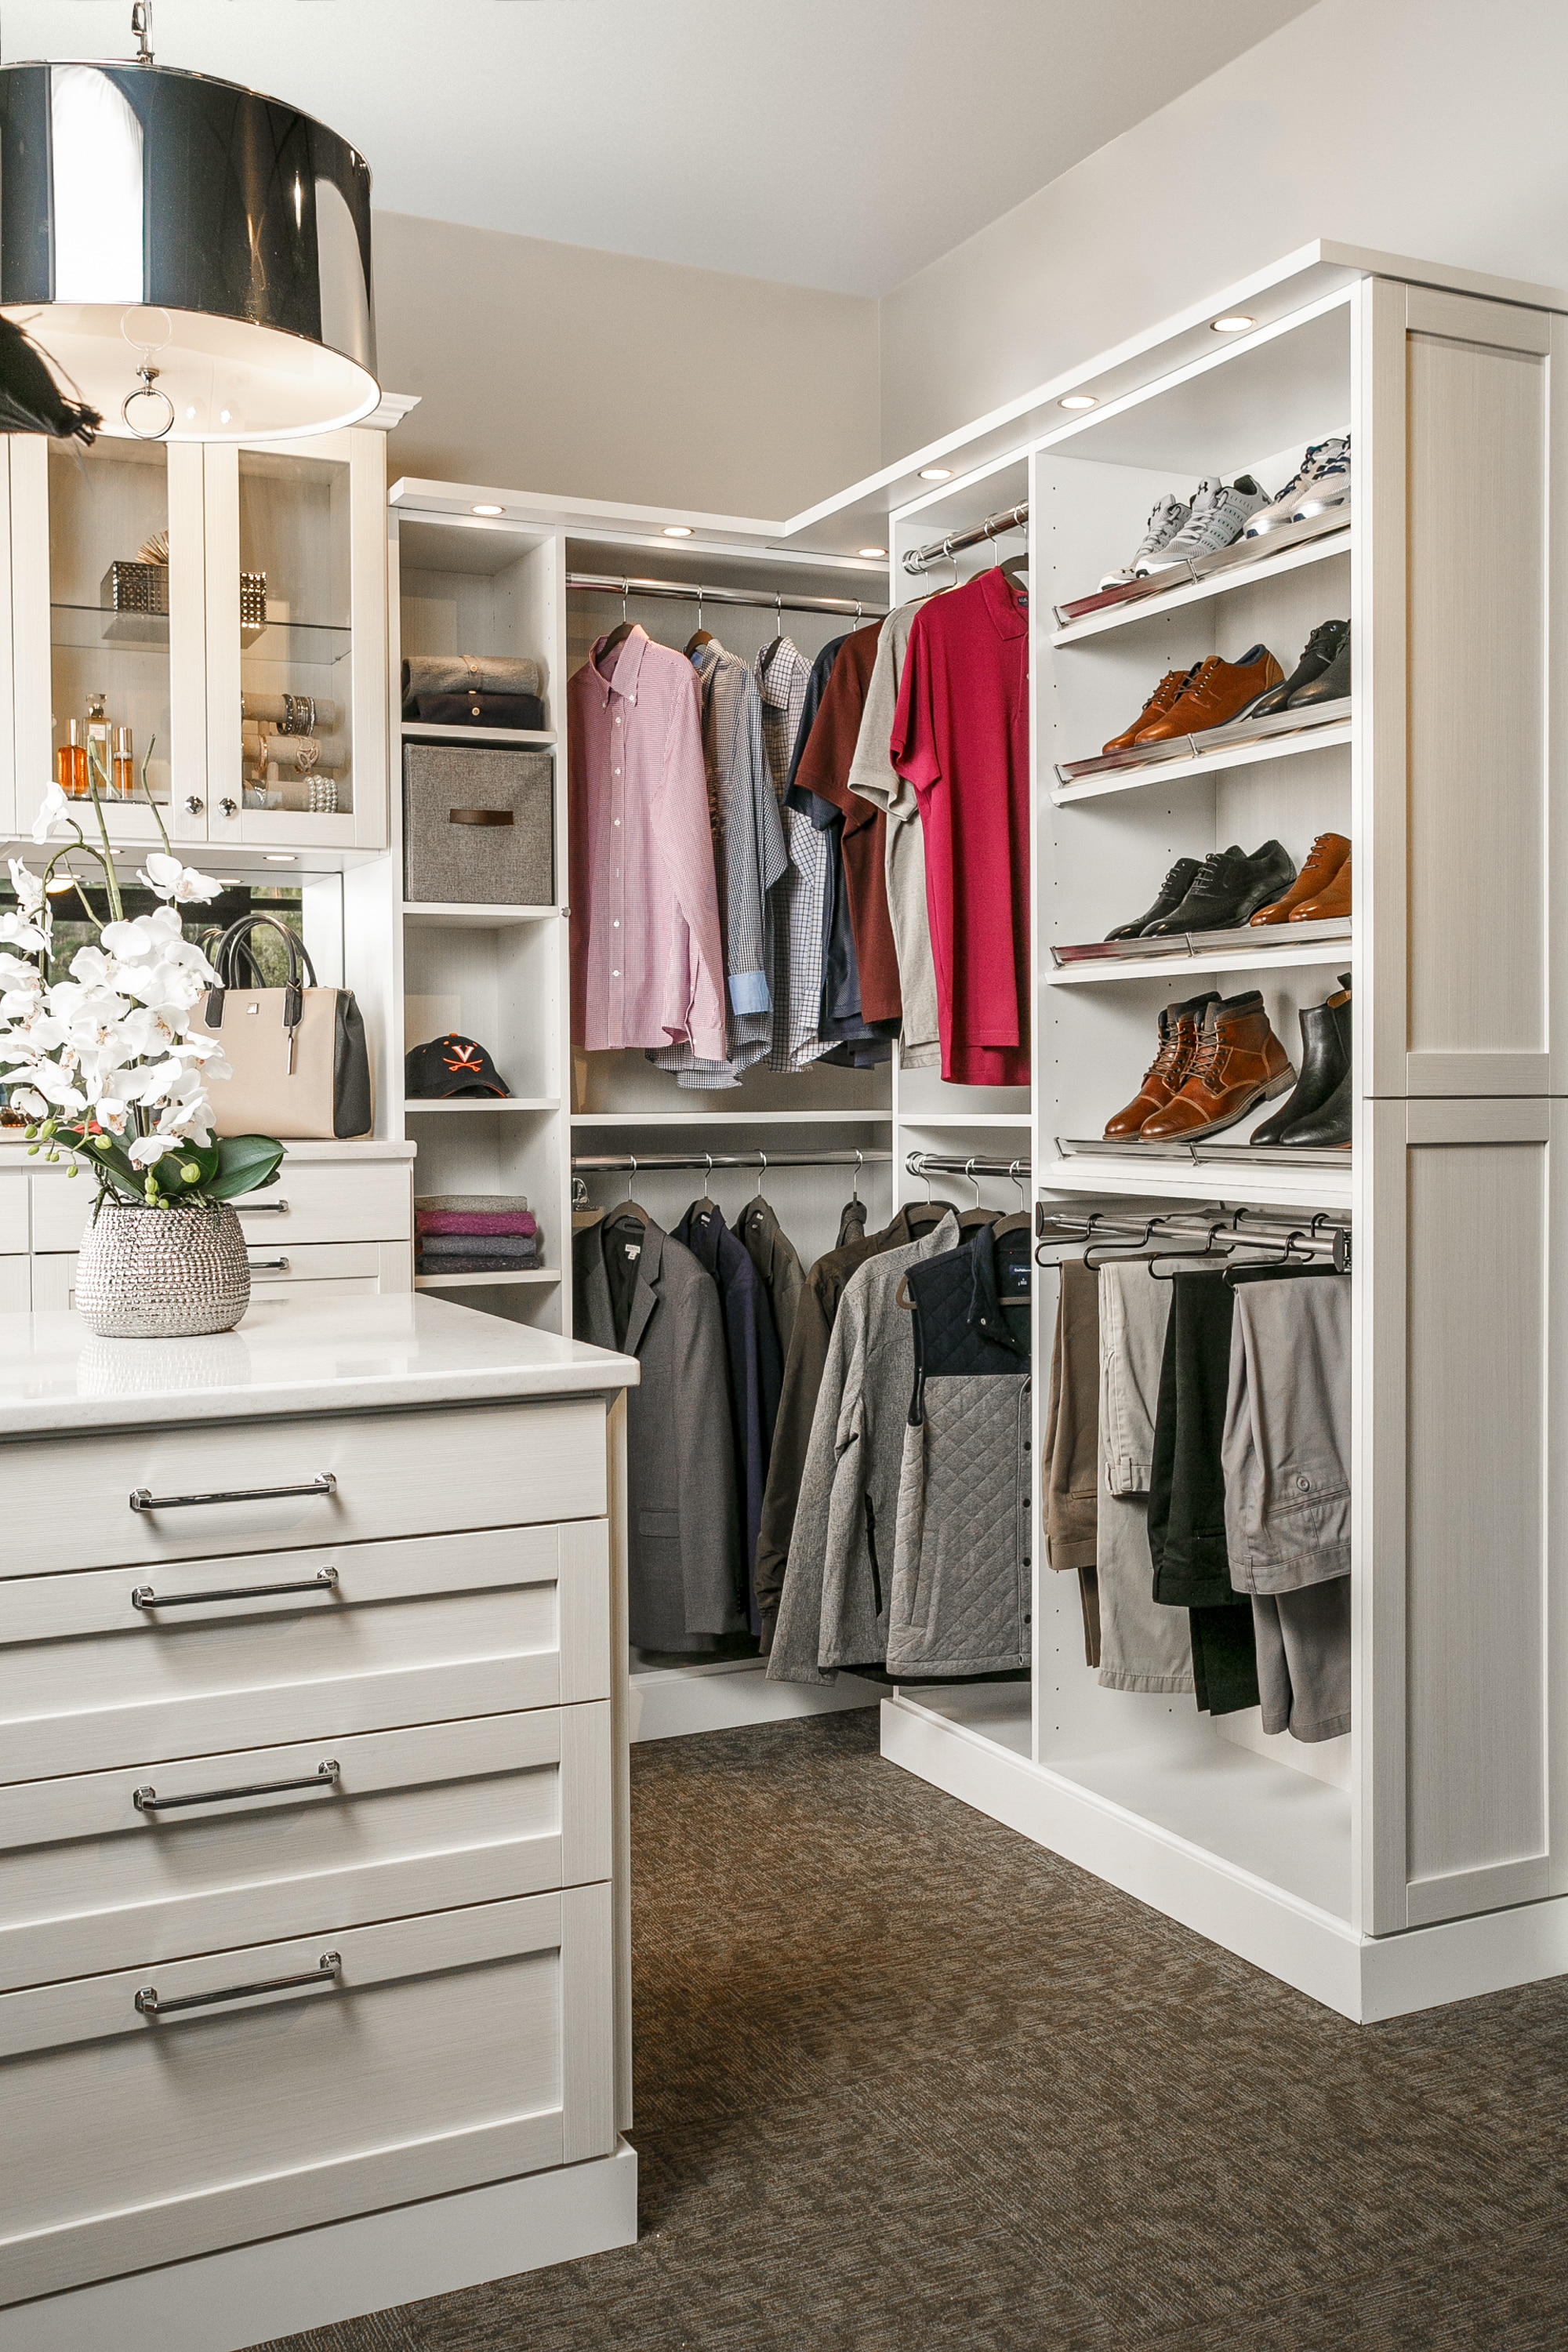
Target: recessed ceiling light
<point x="936" y="473"/>
<point x="223" y="416"/>
<point x="280" y="857"/>
<point x="487" y="510"/>
<point x="61" y="882"/>
<point x="1077" y="400"/>
<point x="871" y="552"/>
<point x="1235" y="322"/>
<point x="678" y="530"/>
<point x="229" y="881"/>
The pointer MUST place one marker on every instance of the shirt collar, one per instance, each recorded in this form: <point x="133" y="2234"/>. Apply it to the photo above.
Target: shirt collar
<point x="1010" y="618"/>
<point x="623" y="678"/>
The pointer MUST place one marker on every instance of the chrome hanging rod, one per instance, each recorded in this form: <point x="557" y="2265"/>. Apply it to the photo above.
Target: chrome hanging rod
<point x="629" y="1164"/>
<point x="1322" y="1234"/>
<point x="951" y="1163"/>
<point x="996" y="526"/>
<point x="604" y="583"/>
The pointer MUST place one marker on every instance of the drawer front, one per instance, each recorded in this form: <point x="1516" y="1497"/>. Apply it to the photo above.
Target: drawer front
<point x="15" y="1237"/>
<point x="52" y="1285"/>
<point x="328" y="1202"/>
<point x="16" y="1285"/>
<point x="439" y="2052"/>
<point x="364" y="1637"/>
<point x="280" y="1265"/>
<point x="54" y="1277"/>
<point x="61" y="1210"/>
<point x="312" y="1294"/>
<point x="397" y="1474"/>
<point x="124" y="1870"/>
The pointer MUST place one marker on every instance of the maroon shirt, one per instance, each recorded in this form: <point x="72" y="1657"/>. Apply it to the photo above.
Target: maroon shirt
<point x="960" y="736"/>
<point x="824" y="770"/>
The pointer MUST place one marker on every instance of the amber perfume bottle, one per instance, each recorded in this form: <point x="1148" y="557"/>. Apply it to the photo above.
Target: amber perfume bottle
<point x="100" y="757"/>
<point x="70" y="764"/>
<point x="124" y="765"/>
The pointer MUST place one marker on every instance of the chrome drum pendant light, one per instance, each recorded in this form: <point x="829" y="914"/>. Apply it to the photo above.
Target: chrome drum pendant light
<point x="192" y="257"/>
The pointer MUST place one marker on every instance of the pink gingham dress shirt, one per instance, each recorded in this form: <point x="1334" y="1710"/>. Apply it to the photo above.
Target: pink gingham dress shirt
<point x="647" y="961"/>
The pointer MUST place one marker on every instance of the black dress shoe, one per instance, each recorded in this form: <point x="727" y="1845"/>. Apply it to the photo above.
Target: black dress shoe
<point x="1229" y="890"/>
<point x="1331" y="685"/>
<point x="1325" y="1061"/>
<point x="1173" y="891"/>
<point x="1317" y="655"/>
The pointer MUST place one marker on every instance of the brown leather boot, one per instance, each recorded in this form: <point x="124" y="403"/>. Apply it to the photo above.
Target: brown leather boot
<point x="1216" y="692"/>
<point x="1323" y="861"/>
<point x="1240" y="1064"/>
<point x="1333" y="899"/>
<point x="1166" y="1074"/>
<point x="1159" y="702"/>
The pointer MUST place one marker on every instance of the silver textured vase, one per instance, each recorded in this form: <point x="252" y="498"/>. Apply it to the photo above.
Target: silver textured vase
<point x="162" y="1273"/>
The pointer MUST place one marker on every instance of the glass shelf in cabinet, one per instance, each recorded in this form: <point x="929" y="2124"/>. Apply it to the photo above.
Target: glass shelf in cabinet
<point x="88" y="626"/>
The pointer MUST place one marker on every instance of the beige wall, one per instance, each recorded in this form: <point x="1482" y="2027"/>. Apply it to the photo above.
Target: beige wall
<point x="1431" y="127"/>
<point x="556" y="367"/>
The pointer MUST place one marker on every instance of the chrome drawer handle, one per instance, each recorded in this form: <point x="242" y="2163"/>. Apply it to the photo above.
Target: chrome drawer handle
<point x="325" y="1972"/>
<point x="267" y="1207"/>
<point x="142" y="1500"/>
<point x="269" y="1266"/>
<point x="145" y="1598"/>
<point x="148" y="1801"/>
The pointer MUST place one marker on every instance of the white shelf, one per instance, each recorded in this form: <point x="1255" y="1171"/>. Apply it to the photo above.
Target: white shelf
<point x="516" y="1275"/>
<point x="1119" y="1174"/>
<point x="476" y="1106"/>
<point x="420" y="731"/>
<point x="1198" y="591"/>
<point x="958" y="1121"/>
<point x="1208" y="763"/>
<point x="1296" y="955"/>
<point x="434" y="915"/>
<point x="731" y="1118"/>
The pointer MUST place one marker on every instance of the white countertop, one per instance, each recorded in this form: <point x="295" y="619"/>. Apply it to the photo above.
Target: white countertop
<point x="14" y="1152"/>
<point x="346" y="1355"/>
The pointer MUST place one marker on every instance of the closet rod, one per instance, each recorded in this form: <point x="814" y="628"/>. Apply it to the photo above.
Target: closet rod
<point x="629" y="1164"/>
<point x="921" y="559"/>
<point x="603" y="584"/>
<point x="1319" y="1233"/>
<point x="950" y="1163"/>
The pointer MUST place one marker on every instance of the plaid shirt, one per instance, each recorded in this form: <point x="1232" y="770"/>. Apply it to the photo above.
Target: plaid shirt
<point x="797" y="931"/>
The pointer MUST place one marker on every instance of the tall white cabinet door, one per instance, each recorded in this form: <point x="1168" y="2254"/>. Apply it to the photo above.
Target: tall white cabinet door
<point x="1460" y="1493"/>
<point x="1458" y="653"/>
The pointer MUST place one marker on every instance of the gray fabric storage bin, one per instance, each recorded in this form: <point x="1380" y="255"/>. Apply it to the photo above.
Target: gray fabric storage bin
<point x="477" y="825"/>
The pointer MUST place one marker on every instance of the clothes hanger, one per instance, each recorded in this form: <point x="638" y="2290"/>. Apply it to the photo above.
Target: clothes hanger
<point x="1289" y="1256"/>
<point x="765" y="658"/>
<point x="624" y="628"/>
<point x="1175" y="1257"/>
<point x="699" y="636"/>
<point x="1098" y="1253"/>
<point x="628" y="1211"/>
<point x="1018" y="1220"/>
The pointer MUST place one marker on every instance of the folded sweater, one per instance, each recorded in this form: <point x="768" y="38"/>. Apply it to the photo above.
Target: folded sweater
<point x="470" y="1221"/>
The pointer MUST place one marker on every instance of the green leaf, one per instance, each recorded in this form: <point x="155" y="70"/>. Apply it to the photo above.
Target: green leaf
<point x="246" y="1164"/>
<point x="189" y="1168"/>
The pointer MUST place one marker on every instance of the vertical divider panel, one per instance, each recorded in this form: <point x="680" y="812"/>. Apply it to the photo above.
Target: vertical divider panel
<point x="368" y="604"/>
<point x="30" y="620"/>
<point x="224" y="778"/>
<point x="1378" y="751"/>
<point x="9" y="814"/>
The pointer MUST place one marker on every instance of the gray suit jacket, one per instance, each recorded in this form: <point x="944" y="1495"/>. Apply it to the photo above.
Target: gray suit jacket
<point x="683" y="1528"/>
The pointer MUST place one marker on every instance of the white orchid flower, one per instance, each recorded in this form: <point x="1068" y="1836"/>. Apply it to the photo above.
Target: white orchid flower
<point x="28" y="886"/>
<point x="15" y="932"/>
<point x="92" y="968"/>
<point x="111" y="1115"/>
<point x="170" y="879"/>
<point x="53" y="821"/>
<point x="146" y="1151"/>
<point x="126" y="941"/>
<point x="29" y="1102"/>
<point x="17" y="974"/>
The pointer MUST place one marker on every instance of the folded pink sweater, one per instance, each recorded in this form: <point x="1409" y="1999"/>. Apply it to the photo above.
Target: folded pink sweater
<point x="462" y="1221"/>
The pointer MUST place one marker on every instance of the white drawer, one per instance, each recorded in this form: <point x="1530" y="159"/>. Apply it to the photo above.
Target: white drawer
<point x="16" y="1285"/>
<point x="280" y="1265"/>
<point x="311" y="1294"/>
<point x="396" y="1473"/>
<point x="62" y="1208"/>
<point x="330" y="1269"/>
<point x="422" y="1631"/>
<point x="15" y="1229"/>
<point x="440" y="2052"/>
<point x="123" y="1870"/>
<point x="331" y="1200"/>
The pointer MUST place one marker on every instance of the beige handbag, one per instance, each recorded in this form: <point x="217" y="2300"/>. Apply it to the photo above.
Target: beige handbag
<point x="298" y="1053"/>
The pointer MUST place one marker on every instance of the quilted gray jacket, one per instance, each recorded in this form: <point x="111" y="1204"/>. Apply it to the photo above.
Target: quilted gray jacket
<point x="833" y="1612"/>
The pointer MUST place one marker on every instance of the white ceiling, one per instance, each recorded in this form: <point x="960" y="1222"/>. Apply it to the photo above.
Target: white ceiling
<point x="839" y="143"/>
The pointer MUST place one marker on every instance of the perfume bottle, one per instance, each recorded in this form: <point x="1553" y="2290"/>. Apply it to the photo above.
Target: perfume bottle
<point x="124" y="765"/>
<point x="70" y="764"/>
<point x="99" y="754"/>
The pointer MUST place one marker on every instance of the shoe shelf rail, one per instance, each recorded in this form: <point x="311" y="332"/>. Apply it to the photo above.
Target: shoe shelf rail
<point x="1250" y="563"/>
<point x="1328" y="946"/>
<point x="1291" y="1186"/>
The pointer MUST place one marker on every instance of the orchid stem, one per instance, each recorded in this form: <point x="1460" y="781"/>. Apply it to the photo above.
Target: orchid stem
<point x="111" y="880"/>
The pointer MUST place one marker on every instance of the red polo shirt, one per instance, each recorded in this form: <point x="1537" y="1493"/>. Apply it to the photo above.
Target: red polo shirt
<point x="960" y="736"/>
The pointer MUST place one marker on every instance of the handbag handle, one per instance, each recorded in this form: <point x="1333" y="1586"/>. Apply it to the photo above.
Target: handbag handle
<point x="226" y="960"/>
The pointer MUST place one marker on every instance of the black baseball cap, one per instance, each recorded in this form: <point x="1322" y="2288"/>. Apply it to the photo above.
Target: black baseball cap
<point x="450" y="1065"/>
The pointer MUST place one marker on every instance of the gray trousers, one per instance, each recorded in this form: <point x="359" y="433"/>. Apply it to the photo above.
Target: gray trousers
<point x="1143" y="1646"/>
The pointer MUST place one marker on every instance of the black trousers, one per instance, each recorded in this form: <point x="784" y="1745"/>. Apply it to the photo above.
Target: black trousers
<point x="1186" y="1484"/>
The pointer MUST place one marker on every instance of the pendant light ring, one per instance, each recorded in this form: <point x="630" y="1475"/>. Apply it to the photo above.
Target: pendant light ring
<point x="148" y="390"/>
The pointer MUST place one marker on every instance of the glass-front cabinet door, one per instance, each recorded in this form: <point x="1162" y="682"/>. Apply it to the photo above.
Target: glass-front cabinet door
<point x="297" y="642"/>
<point x="107" y="629"/>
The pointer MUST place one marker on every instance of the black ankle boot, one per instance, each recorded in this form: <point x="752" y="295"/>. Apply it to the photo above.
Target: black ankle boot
<point x="1326" y="1126"/>
<point x="1325" y="1058"/>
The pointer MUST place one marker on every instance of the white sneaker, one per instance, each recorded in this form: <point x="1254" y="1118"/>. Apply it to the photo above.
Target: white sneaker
<point x="1329" y="487"/>
<point x="1220" y="514"/>
<point x="1170" y="513"/>
<point x="1286" y="507"/>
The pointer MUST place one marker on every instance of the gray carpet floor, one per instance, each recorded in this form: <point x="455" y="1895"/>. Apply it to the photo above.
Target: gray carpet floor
<point x="903" y="2080"/>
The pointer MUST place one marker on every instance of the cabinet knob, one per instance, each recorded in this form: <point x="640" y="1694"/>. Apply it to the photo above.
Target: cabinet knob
<point x="230" y="808"/>
<point x="193" y="803"/>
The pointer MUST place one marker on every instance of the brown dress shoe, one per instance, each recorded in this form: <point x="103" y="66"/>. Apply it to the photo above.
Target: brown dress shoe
<point x="1323" y="861"/>
<point x="1216" y="692"/>
<point x="1159" y="702"/>
<point x="1240" y="1064"/>
<point x="1333" y="899"/>
<point x="1166" y="1074"/>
